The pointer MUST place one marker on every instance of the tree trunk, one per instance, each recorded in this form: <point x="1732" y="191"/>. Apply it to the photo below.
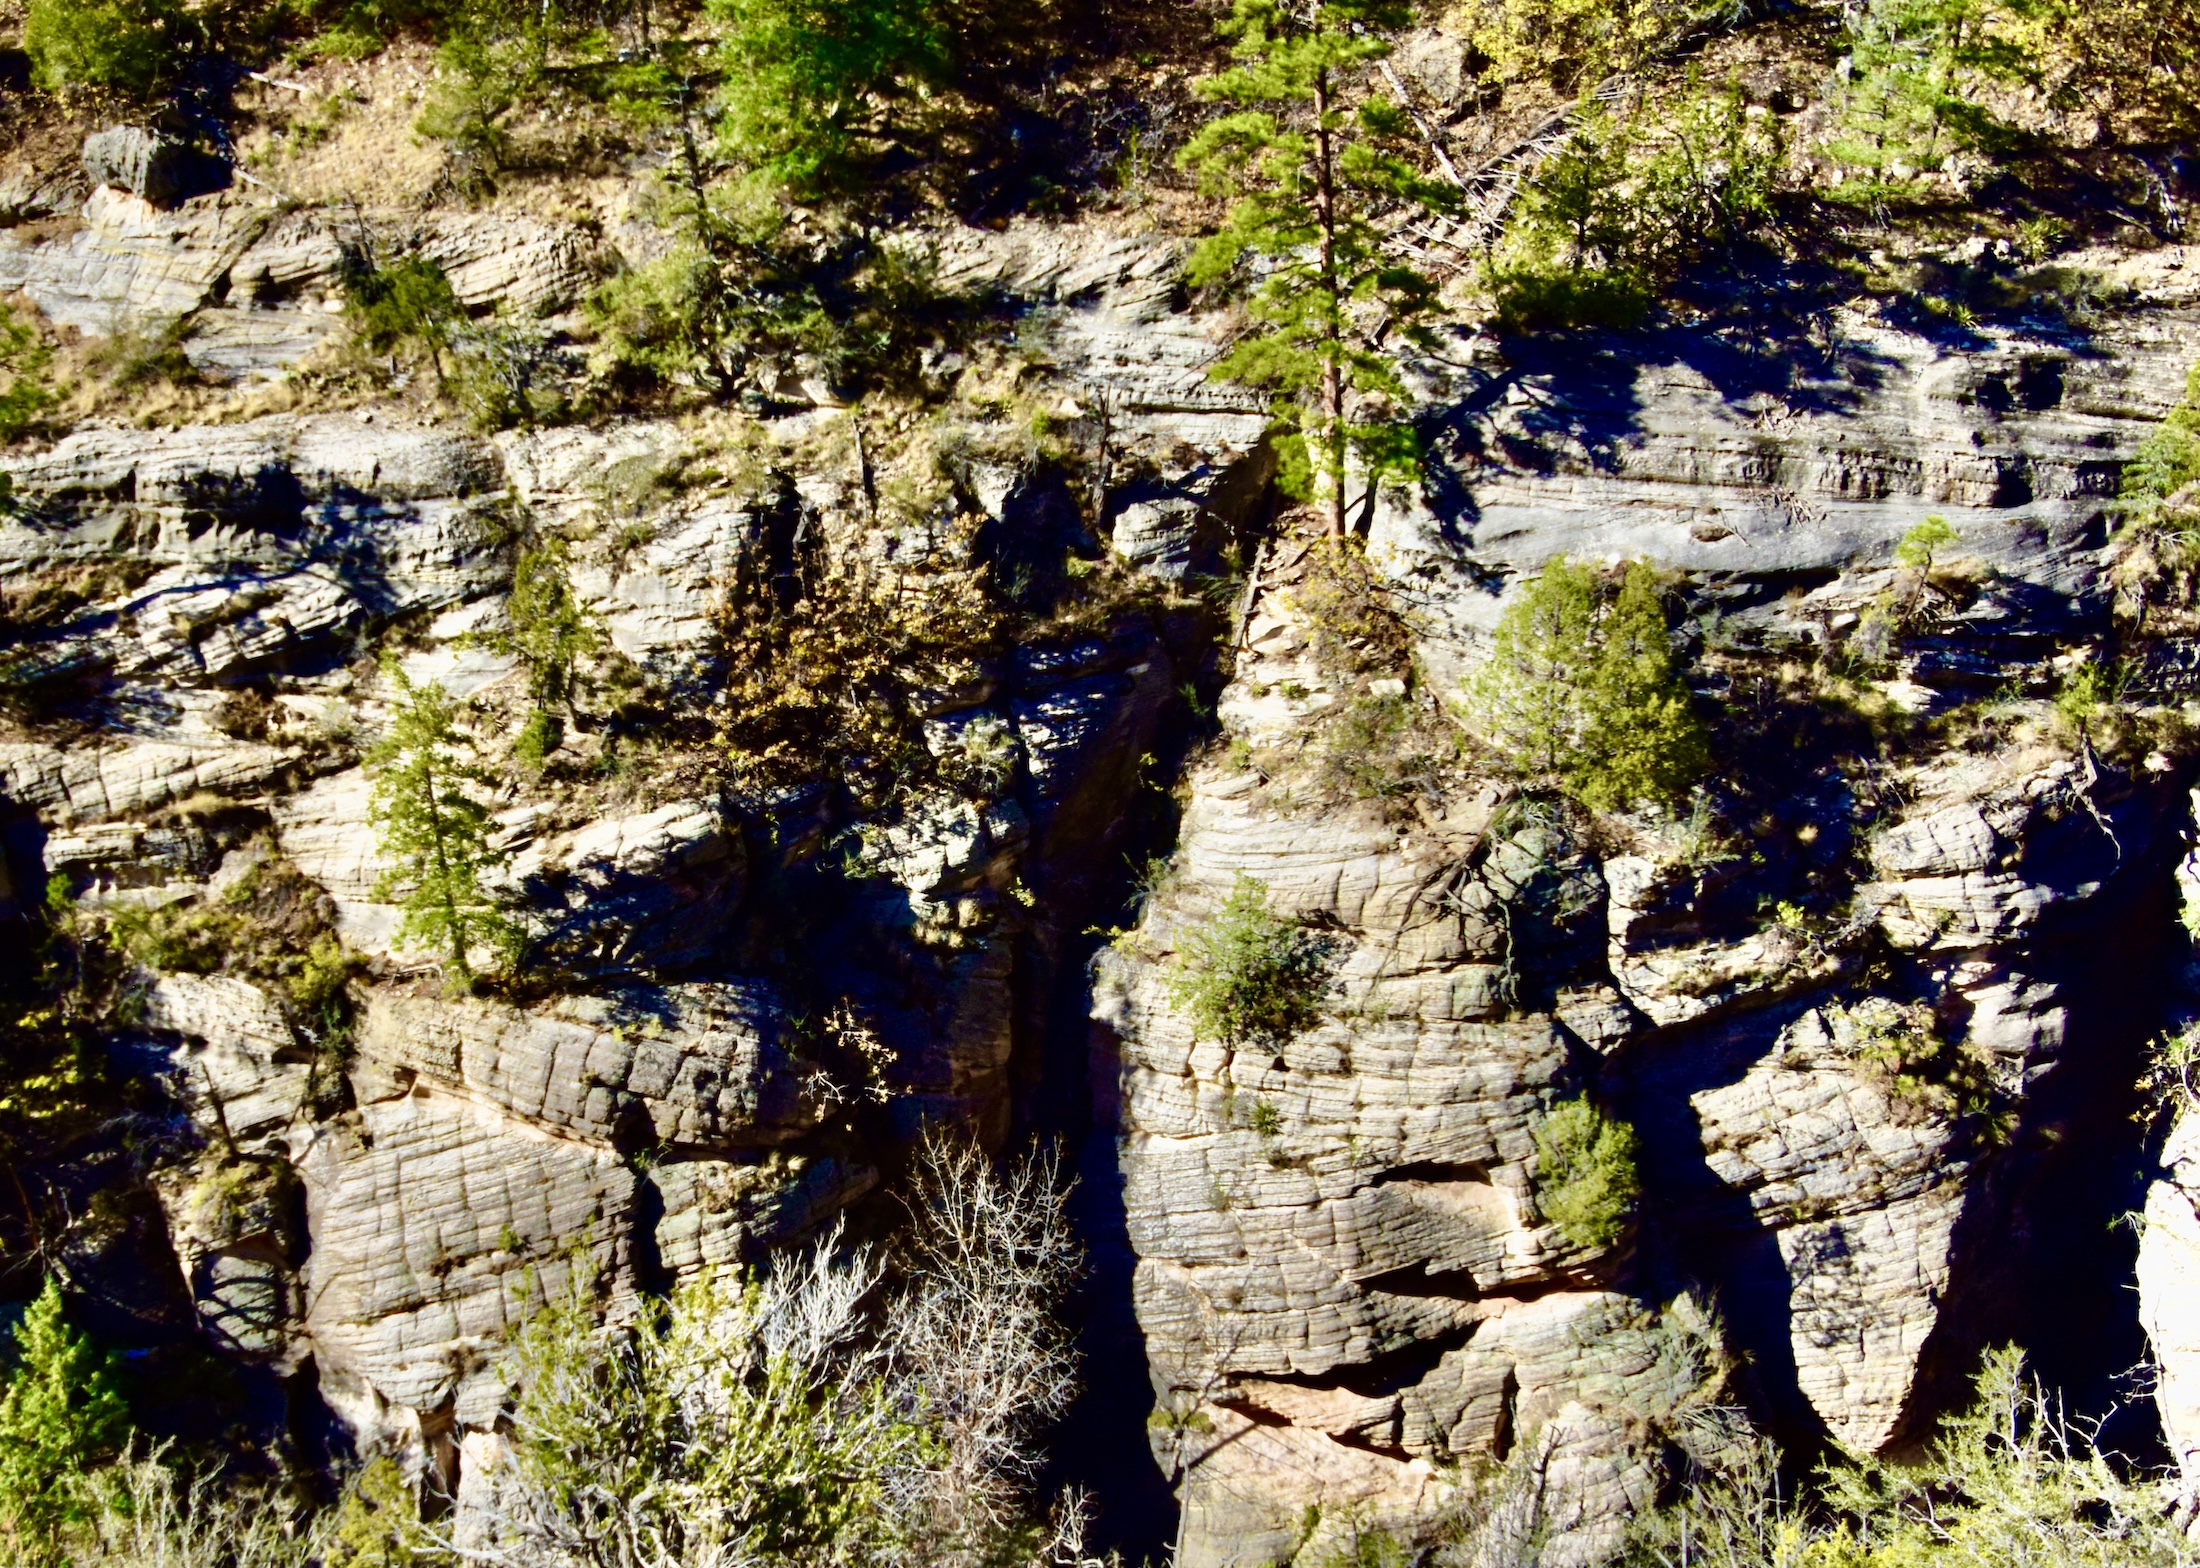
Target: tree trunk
<point x="1325" y="219"/>
<point x="455" y="920"/>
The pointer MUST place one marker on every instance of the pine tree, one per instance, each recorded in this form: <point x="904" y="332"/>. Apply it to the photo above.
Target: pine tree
<point x="1580" y="688"/>
<point x="1527" y="698"/>
<point x="1310" y="176"/>
<point x="60" y="1415"/>
<point x="1641" y="740"/>
<point x="550" y="632"/>
<point x="24" y="357"/>
<point x="433" y="829"/>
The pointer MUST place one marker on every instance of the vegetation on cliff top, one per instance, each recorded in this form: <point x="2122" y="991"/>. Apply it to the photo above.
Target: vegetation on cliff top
<point x="786" y="137"/>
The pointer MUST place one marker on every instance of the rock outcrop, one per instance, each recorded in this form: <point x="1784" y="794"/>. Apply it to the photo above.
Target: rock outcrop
<point x="741" y="1004"/>
<point x="1835" y="1040"/>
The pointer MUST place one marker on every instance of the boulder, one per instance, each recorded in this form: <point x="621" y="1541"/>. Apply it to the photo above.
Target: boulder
<point x="162" y="169"/>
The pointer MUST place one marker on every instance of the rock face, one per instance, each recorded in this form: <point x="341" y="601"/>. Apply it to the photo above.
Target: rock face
<point x="263" y="286"/>
<point x="1858" y="1007"/>
<point x="426" y="1211"/>
<point x="1342" y="1273"/>
<point x="740" y="1005"/>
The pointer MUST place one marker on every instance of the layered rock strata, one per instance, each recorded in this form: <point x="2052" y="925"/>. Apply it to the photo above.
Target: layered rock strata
<point x="1848" y="1042"/>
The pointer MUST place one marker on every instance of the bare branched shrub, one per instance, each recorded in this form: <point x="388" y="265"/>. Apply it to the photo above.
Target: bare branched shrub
<point x="807" y="1416"/>
<point x="736" y="1422"/>
<point x="151" y="1516"/>
<point x="978" y="1338"/>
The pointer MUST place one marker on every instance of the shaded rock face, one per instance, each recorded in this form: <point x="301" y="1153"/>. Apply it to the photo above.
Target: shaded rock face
<point x="1858" y="1119"/>
<point x="161" y="169"/>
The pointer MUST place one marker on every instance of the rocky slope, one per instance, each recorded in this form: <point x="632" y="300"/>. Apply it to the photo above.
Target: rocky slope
<point x="1869" y="1010"/>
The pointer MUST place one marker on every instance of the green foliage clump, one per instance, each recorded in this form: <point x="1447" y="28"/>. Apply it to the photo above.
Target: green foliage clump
<point x="1250" y="975"/>
<point x="406" y="303"/>
<point x="805" y="79"/>
<point x="1629" y="200"/>
<point x="729" y="298"/>
<point x="1916" y="549"/>
<point x="62" y="1413"/>
<point x="273" y="924"/>
<point x="1585" y="1182"/>
<point x="1569" y="42"/>
<point x="656" y="324"/>
<point x="2136" y="66"/>
<point x="784" y="1460"/>
<point x="1898" y="1046"/>
<point x="126" y="47"/>
<point x="1911" y="82"/>
<point x="24" y="356"/>
<point x="2157" y="547"/>
<point x="549" y="630"/>
<point x="492" y="62"/>
<point x="1310" y="178"/>
<point x="1580" y="687"/>
<point x="2168" y="460"/>
<point x="432" y="829"/>
<point x="539" y="735"/>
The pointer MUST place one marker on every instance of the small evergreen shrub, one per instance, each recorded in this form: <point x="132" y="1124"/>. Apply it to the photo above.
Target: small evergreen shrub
<point x="1913" y="93"/>
<point x="2157" y="548"/>
<point x="2169" y="459"/>
<point x="804" y="81"/>
<point x="60" y="1415"/>
<point x="1580" y="688"/>
<point x="1631" y="199"/>
<point x="408" y="303"/>
<point x="24" y="356"/>
<point x="1585" y="1183"/>
<point x="484" y="72"/>
<point x="539" y="736"/>
<point x="1251" y="975"/>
